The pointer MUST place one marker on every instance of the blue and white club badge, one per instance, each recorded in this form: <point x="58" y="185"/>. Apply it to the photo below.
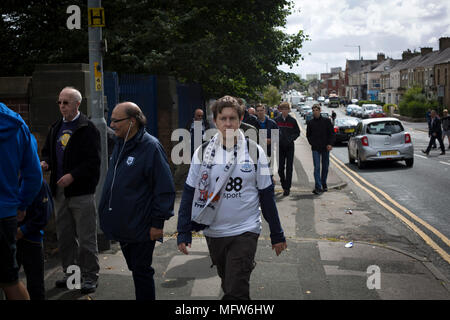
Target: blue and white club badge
<point x="130" y="161"/>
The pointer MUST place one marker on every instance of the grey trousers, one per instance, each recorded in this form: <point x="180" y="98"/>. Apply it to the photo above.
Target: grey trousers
<point x="234" y="258"/>
<point x="76" y="229"/>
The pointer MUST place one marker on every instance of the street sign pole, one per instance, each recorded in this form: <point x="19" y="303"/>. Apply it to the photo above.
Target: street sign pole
<point x="96" y="20"/>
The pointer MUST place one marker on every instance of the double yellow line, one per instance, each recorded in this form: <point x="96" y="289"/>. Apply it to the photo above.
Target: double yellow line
<point x="354" y="176"/>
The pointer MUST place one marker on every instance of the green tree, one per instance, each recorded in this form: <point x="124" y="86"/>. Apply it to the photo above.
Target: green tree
<point x="229" y="47"/>
<point x="271" y="96"/>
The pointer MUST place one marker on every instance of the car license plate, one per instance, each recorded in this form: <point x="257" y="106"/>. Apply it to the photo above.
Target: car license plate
<point x="349" y="130"/>
<point x="388" y="153"/>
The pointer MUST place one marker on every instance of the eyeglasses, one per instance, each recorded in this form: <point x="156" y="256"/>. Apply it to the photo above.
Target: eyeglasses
<point x="63" y="102"/>
<point x="118" y="120"/>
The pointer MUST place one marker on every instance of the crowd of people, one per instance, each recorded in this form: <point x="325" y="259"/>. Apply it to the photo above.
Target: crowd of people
<point x="138" y="195"/>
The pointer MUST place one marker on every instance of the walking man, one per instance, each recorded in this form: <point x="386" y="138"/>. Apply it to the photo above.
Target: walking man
<point x="289" y="132"/>
<point x="236" y="185"/>
<point x="446" y="127"/>
<point x="321" y="136"/>
<point x="138" y="195"/>
<point x="72" y="154"/>
<point x="19" y="156"/>
<point x="435" y="133"/>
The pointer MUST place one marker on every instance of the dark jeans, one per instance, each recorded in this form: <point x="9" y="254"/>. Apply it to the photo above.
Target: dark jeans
<point x="30" y="255"/>
<point x="433" y="142"/>
<point x="286" y="155"/>
<point x="320" y="176"/>
<point x="9" y="270"/>
<point x="234" y="259"/>
<point x="139" y="260"/>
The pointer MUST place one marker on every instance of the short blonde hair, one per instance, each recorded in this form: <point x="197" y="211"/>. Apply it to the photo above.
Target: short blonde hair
<point x="284" y="104"/>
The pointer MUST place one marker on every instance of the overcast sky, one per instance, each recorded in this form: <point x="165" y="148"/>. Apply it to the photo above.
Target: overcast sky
<point x="388" y="26"/>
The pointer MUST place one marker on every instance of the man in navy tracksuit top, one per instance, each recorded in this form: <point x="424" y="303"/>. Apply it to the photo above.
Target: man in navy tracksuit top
<point x="289" y="132"/>
<point x="30" y="233"/>
<point x="138" y="195"/>
<point x="18" y="150"/>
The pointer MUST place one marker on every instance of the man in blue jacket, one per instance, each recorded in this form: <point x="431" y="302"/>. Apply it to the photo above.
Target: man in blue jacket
<point x="138" y="195"/>
<point x="18" y="151"/>
<point x="30" y="253"/>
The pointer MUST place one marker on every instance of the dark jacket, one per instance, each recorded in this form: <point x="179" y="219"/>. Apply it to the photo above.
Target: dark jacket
<point x="320" y="133"/>
<point x="81" y="157"/>
<point x="446" y="123"/>
<point x="139" y="192"/>
<point x="435" y="126"/>
<point x="38" y="214"/>
<point x="289" y="130"/>
<point x="250" y="119"/>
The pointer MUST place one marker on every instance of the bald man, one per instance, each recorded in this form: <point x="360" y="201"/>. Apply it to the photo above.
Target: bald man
<point x="138" y="195"/>
<point x="72" y="154"/>
<point x="198" y="116"/>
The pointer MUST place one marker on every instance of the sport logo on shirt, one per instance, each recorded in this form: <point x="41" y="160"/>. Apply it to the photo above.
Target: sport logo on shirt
<point x="130" y="161"/>
<point x="246" y="166"/>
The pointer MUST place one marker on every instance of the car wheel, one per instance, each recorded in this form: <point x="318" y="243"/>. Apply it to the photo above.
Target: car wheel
<point x="409" y="162"/>
<point x="350" y="159"/>
<point x="361" y="164"/>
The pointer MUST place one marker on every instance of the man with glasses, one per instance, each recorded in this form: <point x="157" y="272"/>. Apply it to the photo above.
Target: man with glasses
<point x="72" y="154"/>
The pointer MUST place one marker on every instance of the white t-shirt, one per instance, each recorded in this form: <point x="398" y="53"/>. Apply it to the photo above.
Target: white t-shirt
<point x="239" y="211"/>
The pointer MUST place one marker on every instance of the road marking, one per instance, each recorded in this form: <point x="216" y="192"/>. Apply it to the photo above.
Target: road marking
<point x="409" y="223"/>
<point x="420" y="156"/>
<point x="445" y="163"/>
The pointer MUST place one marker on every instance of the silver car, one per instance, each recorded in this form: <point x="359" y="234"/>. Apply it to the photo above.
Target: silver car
<point x="380" y="140"/>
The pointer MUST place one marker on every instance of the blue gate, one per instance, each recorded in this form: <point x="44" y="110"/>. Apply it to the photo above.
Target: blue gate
<point x="141" y="89"/>
<point x="111" y="88"/>
<point x="190" y="97"/>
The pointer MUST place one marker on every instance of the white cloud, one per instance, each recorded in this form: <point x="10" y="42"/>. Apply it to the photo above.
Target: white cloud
<point x="377" y="26"/>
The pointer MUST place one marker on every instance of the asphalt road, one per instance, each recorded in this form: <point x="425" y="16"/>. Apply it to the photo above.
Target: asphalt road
<point x="422" y="189"/>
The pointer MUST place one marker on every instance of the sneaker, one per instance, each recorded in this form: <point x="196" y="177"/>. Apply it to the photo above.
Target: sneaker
<point x="62" y="283"/>
<point x="286" y="192"/>
<point x="325" y="188"/>
<point x="89" y="286"/>
<point x="317" y="191"/>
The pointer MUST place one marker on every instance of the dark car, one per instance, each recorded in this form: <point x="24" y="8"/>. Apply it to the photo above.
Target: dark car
<point x="345" y="128"/>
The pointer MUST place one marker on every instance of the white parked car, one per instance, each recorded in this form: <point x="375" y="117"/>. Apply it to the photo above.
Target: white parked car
<point x="380" y="139"/>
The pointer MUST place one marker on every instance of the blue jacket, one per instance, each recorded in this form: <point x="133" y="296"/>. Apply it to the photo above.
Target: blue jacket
<point x="18" y="154"/>
<point x="38" y="214"/>
<point x="139" y="192"/>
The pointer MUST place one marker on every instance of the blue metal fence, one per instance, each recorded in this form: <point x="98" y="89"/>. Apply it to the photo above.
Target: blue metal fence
<point x="190" y="97"/>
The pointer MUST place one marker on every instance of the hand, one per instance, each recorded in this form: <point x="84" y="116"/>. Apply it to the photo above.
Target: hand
<point x="156" y="234"/>
<point x="21" y="215"/>
<point x="434" y="134"/>
<point x="279" y="247"/>
<point x="269" y="141"/>
<point x="183" y="249"/>
<point x="65" y="181"/>
<point x="19" y="234"/>
<point x="44" y="165"/>
<point x="329" y="147"/>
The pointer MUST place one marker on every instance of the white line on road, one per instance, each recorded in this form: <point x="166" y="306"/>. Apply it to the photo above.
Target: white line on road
<point x="420" y="156"/>
<point x="445" y="163"/>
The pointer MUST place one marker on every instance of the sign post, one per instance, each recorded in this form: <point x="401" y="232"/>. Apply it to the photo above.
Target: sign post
<point x="96" y="20"/>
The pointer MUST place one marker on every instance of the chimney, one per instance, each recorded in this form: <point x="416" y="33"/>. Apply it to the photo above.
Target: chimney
<point x="444" y="43"/>
<point x="406" y="55"/>
<point x="381" y="57"/>
<point x="425" y="51"/>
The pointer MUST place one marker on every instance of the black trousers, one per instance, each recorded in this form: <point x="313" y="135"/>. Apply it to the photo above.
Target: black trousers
<point x="433" y="142"/>
<point x="286" y="165"/>
<point x="234" y="258"/>
<point x="139" y="258"/>
<point x="30" y="255"/>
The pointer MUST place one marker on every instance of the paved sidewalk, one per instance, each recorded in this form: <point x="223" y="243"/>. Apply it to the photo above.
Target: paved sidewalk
<point x="317" y="265"/>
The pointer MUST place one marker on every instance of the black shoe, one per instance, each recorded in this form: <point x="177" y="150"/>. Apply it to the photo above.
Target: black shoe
<point x="423" y="151"/>
<point x="89" y="286"/>
<point x="317" y="191"/>
<point x="286" y="192"/>
<point x="325" y="188"/>
<point x="433" y="147"/>
<point x="442" y="153"/>
<point x="62" y="283"/>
